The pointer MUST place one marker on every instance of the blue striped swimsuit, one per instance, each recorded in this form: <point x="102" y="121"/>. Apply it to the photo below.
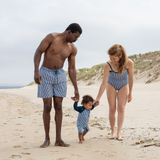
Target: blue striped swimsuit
<point x="83" y="117"/>
<point x="116" y="80"/>
<point x="54" y="83"/>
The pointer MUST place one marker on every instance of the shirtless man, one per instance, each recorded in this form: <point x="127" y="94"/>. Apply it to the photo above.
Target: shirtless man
<point x="51" y="78"/>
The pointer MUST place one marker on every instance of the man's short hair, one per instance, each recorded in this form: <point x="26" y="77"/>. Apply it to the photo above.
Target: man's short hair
<point x="74" y="27"/>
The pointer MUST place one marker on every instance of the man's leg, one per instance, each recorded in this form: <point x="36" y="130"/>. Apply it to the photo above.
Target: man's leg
<point x="58" y="120"/>
<point x="46" y="120"/>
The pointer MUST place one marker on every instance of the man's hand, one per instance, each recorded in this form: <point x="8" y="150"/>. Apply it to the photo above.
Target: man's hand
<point x="37" y="77"/>
<point x="76" y="97"/>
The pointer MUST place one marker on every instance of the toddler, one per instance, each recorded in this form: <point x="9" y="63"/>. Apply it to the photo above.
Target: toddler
<point x="83" y="116"/>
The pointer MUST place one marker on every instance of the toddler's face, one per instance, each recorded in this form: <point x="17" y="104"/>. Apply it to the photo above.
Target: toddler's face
<point x="88" y="106"/>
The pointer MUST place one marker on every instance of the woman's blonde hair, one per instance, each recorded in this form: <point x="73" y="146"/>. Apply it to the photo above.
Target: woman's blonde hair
<point x="118" y="50"/>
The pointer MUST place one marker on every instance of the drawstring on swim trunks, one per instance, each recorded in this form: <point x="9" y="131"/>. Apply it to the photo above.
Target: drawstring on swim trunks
<point x="56" y="72"/>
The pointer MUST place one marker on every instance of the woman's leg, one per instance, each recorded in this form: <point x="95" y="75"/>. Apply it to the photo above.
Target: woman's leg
<point x="122" y="99"/>
<point x="111" y="96"/>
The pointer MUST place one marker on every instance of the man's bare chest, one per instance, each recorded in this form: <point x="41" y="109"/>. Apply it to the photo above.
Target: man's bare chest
<point x="59" y="50"/>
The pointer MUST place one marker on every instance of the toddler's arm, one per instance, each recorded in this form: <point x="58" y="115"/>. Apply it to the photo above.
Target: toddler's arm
<point x="79" y="109"/>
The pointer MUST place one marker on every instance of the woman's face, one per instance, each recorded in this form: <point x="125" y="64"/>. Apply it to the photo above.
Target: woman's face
<point x="114" y="59"/>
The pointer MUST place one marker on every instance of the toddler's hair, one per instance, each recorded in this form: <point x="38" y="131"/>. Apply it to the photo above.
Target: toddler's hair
<point x="86" y="99"/>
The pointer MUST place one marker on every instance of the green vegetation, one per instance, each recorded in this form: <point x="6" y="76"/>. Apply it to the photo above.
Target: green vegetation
<point x="92" y="73"/>
<point x="149" y="62"/>
<point x="141" y="64"/>
<point x="31" y="83"/>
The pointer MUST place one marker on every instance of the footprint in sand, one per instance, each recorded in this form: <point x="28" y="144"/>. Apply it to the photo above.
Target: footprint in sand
<point x="16" y="156"/>
<point x="18" y="124"/>
<point x="18" y="146"/>
<point x="26" y="153"/>
<point x="30" y="159"/>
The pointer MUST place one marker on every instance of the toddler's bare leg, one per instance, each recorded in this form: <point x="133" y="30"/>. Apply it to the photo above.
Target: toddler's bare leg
<point x="80" y="135"/>
<point x="84" y="133"/>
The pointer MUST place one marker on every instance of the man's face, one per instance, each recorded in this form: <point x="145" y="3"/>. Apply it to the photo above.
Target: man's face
<point x="72" y="37"/>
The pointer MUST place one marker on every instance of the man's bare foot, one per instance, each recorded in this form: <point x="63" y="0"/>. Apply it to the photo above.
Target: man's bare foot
<point x="83" y="139"/>
<point x="113" y="136"/>
<point x="80" y="142"/>
<point x="45" y="144"/>
<point x="61" y="143"/>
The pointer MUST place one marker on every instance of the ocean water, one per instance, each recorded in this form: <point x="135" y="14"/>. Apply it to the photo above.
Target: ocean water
<point x="10" y="87"/>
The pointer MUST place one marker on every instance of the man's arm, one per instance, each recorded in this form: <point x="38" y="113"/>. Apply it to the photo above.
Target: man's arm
<point x="37" y="56"/>
<point x="72" y="71"/>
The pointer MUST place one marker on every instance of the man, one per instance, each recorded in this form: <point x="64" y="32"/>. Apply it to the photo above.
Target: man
<point x="51" y="78"/>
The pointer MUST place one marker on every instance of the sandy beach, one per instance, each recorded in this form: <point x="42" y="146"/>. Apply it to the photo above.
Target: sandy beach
<point x="21" y="127"/>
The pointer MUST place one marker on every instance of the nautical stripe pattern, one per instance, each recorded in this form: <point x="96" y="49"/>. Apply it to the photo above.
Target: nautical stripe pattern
<point x="83" y="117"/>
<point x="82" y="121"/>
<point x="116" y="80"/>
<point x="54" y="83"/>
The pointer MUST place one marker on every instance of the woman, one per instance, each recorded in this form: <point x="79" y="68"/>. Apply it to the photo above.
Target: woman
<point x="118" y="72"/>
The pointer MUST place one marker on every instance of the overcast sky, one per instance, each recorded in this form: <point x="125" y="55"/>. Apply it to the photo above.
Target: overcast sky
<point x="135" y="24"/>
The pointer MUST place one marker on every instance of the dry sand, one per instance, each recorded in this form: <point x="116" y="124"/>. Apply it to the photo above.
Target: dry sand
<point x="21" y="127"/>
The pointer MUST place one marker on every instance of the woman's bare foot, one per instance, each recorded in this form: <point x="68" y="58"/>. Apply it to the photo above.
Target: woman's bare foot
<point x="119" y="138"/>
<point x="45" y="144"/>
<point x="113" y="136"/>
<point x="61" y="143"/>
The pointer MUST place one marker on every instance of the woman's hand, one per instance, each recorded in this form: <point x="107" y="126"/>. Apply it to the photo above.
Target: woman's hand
<point x="96" y="102"/>
<point x="129" y="97"/>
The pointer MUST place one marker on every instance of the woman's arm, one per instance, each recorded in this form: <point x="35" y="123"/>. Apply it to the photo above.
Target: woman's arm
<point x="130" y="71"/>
<point x="103" y="84"/>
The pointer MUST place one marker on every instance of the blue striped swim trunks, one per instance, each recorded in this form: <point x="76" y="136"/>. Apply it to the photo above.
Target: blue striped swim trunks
<point x="54" y="83"/>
